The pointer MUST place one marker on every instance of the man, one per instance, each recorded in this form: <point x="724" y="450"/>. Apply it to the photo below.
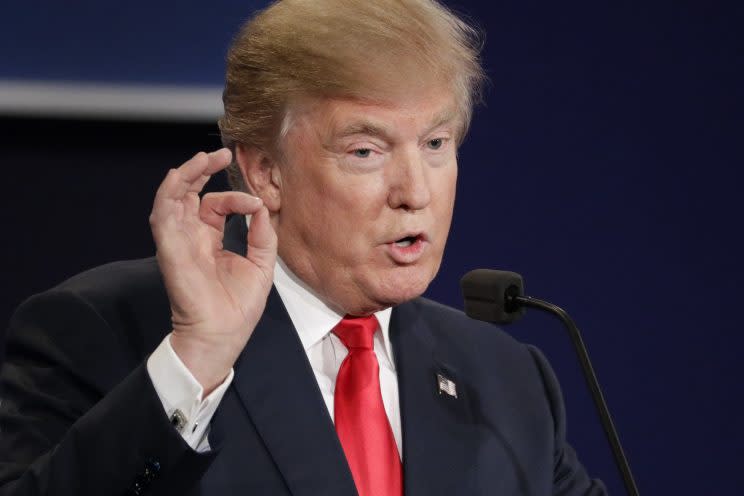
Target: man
<point x="294" y="356"/>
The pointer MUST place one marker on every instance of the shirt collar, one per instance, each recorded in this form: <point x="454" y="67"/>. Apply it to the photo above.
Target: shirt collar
<point x="311" y="316"/>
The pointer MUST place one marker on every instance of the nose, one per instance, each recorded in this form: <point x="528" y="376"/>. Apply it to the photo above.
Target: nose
<point x="409" y="182"/>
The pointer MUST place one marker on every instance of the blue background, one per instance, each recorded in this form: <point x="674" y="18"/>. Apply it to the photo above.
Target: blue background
<point x="605" y="167"/>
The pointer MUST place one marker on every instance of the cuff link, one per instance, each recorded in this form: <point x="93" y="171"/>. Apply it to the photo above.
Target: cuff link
<point x="178" y="420"/>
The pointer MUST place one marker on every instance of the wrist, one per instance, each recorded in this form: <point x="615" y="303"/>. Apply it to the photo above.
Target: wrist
<point x="209" y="363"/>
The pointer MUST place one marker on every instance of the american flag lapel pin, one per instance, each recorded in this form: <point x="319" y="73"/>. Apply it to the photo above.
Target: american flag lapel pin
<point x="446" y="386"/>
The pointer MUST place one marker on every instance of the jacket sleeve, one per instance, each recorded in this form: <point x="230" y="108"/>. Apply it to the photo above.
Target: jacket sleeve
<point x="569" y="476"/>
<point x="78" y="412"/>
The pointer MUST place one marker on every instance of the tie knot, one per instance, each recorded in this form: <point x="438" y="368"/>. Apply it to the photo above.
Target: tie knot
<point x="357" y="332"/>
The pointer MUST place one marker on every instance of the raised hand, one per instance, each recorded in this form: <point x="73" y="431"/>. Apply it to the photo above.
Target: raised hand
<point x="216" y="296"/>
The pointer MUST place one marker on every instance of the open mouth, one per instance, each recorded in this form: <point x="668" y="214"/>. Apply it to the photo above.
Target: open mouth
<point x="408" y="249"/>
<point x="407" y="241"/>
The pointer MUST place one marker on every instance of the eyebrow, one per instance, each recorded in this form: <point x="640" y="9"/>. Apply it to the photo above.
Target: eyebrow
<point x="363" y="127"/>
<point x="374" y="129"/>
<point x="443" y="117"/>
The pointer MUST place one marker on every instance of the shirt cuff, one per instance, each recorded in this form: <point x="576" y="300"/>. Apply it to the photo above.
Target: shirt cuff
<point x="181" y="395"/>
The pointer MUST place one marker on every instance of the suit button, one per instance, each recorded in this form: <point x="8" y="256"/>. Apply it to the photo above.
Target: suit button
<point x="137" y="488"/>
<point x="152" y="467"/>
<point x="143" y="480"/>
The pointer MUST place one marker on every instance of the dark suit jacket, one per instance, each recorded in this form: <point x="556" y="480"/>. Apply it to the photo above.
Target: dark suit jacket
<point x="79" y="414"/>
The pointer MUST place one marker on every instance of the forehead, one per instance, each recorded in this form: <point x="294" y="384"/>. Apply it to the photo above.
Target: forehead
<point x="412" y="111"/>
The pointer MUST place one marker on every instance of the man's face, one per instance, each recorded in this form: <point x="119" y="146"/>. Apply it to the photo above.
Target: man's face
<point x="366" y="197"/>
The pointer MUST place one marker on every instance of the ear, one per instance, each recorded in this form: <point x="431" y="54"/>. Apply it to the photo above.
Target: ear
<point x="261" y="174"/>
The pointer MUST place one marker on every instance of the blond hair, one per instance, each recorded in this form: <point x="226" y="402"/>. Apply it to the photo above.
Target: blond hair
<point x="364" y="49"/>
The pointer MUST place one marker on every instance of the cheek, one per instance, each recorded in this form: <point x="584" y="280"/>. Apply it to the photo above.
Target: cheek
<point x="444" y="191"/>
<point x="338" y="219"/>
<point x="451" y="180"/>
<point x="355" y="207"/>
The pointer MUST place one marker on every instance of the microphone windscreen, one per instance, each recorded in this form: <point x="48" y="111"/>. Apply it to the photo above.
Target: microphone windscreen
<point x="485" y="291"/>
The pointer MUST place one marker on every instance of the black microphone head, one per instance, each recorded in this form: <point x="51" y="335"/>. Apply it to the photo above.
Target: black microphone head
<point x="485" y="292"/>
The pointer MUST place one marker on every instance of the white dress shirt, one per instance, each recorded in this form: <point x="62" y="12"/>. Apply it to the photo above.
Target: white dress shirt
<point x="313" y="320"/>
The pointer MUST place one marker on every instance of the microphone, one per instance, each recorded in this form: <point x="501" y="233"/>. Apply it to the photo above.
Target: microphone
<point x="498" y="296"/>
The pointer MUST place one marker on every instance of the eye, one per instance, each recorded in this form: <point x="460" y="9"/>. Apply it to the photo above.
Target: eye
<point x="436" y="143"/>
<point x="362" y="152"/>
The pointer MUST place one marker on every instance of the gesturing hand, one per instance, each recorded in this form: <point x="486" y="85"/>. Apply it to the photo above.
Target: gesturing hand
<point x="216" y="296"/>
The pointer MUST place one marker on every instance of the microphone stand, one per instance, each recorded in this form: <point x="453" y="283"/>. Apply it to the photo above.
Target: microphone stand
<point x="513" y="302"/>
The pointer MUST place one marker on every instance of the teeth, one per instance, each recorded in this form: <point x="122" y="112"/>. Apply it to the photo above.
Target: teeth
<point x="404" y="242"/>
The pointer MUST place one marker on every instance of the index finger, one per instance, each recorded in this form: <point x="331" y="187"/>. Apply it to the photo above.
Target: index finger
<point x="197" y="167"/>
<point x="193" y="174"/>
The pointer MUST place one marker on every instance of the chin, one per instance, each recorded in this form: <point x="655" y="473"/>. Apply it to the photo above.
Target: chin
<point x="404" y="284"/>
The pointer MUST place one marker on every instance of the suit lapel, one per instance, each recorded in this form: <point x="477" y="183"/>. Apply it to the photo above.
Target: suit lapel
<point x="438" y="442"/>
<point x="277" y="387"/>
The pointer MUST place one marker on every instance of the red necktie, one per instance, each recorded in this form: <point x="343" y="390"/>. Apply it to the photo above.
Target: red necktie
<point x="361" y="422"/>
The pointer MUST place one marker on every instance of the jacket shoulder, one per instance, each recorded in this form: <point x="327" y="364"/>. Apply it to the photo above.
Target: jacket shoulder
<point x="122" y="302"/>
<point x="451" y="324"/>
<point x="126" y="278"/>
<point x="481" y="350"/>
